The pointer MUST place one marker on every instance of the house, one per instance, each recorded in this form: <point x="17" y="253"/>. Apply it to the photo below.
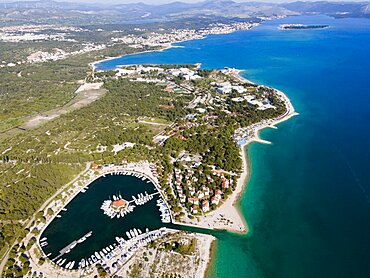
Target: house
<point x="205" y="206"/>
<point x="200" y="195"/>
<point x="191" y="190"/>
<point x="194" y="209"/>
<point x="206" y="191"/>
<point x="225" y="184"/>
<point x="182" y="197"/>
<point x="218" y="193"/>
<point x="194" y="201"/>
<point x="215" y="200"/>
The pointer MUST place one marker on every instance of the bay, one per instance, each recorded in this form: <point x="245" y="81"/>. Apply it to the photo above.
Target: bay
<point x="307" y="201"/>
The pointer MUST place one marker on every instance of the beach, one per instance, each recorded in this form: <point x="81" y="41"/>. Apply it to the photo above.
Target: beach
<point x="228" y="216"/>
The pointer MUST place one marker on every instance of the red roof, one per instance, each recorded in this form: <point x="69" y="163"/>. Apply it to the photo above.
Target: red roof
<point x="118" y="203"/>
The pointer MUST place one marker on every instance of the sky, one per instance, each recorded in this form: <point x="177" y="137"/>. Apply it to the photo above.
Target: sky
<point x="169" y="1"/>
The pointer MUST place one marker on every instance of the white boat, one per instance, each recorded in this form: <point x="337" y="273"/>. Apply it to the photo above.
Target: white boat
<point x="62" y="262"/>
<point x="44" y="238"/>
<point x="135" y="232"/>
<point x="81" y="240"/>
<point x="59" y="216"/>
<point x="132" y="233"/>
<point x="68" y="264"/>
<point x="72" y="265"/>
<point x="97" y="255"/>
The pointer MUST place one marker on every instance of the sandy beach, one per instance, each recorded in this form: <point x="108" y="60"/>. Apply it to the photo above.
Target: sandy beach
<point x="228" y="216"/>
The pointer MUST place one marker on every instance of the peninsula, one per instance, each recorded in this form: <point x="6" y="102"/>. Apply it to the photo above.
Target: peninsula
<point x="181" y="127"/>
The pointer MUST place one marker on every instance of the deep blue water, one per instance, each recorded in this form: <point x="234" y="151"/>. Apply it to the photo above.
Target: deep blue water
<point x="308" y="198"/>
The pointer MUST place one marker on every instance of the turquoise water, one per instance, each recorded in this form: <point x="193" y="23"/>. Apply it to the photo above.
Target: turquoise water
<point x="307" y="201"/>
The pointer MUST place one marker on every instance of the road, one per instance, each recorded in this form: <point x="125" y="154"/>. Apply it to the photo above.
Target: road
<point x="4" y="259"/>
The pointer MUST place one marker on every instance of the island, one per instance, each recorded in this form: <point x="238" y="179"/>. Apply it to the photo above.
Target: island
<point x="301" y="26"/>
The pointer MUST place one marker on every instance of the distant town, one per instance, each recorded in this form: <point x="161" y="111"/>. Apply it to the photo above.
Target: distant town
<point x="39" y="33"/>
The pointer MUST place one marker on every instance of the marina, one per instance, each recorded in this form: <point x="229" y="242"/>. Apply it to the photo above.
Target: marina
<point x="112" y="211"/>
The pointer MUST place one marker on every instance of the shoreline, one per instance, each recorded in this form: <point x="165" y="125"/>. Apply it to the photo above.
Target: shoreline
<point x="211" y="258"/>
<point x="162" y="47"/>
<point x="228" y="215"/>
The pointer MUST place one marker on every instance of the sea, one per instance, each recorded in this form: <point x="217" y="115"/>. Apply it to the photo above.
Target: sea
<point x="307" y="201"/>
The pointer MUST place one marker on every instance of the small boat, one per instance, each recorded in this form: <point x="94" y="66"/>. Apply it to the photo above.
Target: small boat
<point x="73" y="245"/>
<point x="72" y="265"/>
<point x="135" y="232"/>
<point x="81" y="240"/>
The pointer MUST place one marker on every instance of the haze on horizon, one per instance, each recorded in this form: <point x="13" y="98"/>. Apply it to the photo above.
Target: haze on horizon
<point x="159" y="2"/>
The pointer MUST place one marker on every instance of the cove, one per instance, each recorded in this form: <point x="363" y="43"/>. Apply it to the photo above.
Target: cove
<point x="84" y="214"/>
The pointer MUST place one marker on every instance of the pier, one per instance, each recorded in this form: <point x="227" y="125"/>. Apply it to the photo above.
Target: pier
<point x="70" y="246"/>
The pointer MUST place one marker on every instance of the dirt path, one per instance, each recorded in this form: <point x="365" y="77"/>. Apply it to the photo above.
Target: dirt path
<point x="85" y="95"/>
